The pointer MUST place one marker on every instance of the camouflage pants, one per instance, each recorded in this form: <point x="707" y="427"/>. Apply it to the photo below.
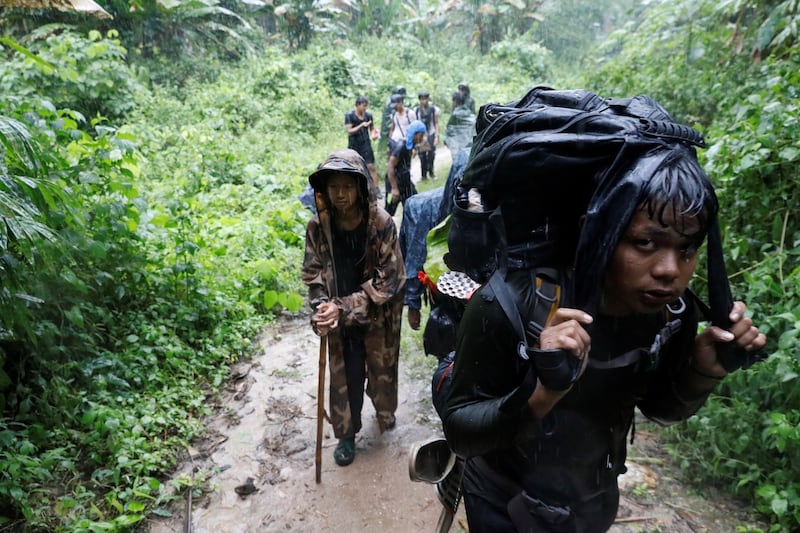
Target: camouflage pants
<point x="380" y="373"/>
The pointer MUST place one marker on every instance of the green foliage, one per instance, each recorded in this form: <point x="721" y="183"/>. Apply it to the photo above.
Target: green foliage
<point x="569" y="28"/>
<point x="223" y="176"/>
<point x="107" y="313"/>
<point x="87" y="73"/>
<point x="26" y="194"/>
<point x="530" y="57"/>
<point x="182" y="29"/>
<point x="300" y="20"/>
<point x="379" y="17"/>
<point x="778" y="31"/>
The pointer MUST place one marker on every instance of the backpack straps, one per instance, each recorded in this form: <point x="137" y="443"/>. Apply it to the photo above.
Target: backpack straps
<point x="647" y="358"/>
<point x="548" y="298"/>
<point x="426" y="117"/>
<point x="506" y="301"/>
<point x="396" y="121"/>
<point x="546" y="301"/>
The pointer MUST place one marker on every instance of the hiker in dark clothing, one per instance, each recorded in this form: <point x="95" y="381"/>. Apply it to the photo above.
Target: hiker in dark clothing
<point x="541" y="459"/>
<point x="360" y="133"/>
<point x="398" y="172"/>
<point x="460" y="127"/>
<point x="428" y="114"/>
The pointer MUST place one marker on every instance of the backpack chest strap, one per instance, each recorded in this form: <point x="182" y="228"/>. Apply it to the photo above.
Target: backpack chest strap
<point x="645" y="359"/>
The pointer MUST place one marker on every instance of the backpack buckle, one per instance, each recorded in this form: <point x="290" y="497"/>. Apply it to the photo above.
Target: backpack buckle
<point x="522" y="351"/>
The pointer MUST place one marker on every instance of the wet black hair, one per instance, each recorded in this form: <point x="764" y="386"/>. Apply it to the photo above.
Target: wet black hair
<point x="458" y="98"/>
<point x="668" y="182"/>
<point x="362" y="100"/>
<point x="678" y="190"/>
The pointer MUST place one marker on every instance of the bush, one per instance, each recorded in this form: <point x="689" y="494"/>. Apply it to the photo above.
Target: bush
<point x="530" y="57"/>
<point x="85" y="73"/>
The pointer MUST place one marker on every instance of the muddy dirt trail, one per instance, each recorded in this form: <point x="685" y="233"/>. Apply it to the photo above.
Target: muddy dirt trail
<point x="266" y="428"/>
<point x="267" y="432"/>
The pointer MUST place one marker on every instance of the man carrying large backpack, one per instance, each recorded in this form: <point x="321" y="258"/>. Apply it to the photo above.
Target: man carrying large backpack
<point x="585" y="312"/>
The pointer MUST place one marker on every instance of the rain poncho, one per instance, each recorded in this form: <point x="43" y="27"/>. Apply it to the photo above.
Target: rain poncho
<point x="374" y="310"/>
<point x="460" y="129"/>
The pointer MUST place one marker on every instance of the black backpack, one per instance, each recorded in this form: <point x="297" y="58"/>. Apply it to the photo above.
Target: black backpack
<point x="547" y="159"/>
<point x="543" y="157"/>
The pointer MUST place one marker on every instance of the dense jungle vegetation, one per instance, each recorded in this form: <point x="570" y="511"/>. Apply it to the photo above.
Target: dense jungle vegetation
<point x="149" y="165"/>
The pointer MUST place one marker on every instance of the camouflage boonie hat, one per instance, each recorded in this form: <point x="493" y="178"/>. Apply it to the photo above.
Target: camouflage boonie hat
<point x="346" y="160"/>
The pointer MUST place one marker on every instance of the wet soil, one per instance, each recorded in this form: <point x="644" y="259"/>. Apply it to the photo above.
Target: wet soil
<point x="262" y="441"/>
<point x="267" y="431"/>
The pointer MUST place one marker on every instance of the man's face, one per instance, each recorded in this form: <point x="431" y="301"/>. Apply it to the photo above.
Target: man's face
<point x="342" y="190"/>
<point x="418" y="138"/>
<point x="652" y="264"/>
<point x="361" y="107"/>
<point x="423" y="101"/>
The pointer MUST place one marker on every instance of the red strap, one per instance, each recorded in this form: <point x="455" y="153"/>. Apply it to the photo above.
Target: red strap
<point x="444" y="375"/>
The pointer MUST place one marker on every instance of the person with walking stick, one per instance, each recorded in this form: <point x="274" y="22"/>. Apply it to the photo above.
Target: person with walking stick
<point x="354" y="271"/>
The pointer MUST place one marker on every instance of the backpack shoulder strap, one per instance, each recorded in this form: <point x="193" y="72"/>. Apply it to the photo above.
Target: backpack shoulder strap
<point x="396" y="120"/>
<point x="546" y="302"/>
<point x="647" y="358"/>
<point x="425" y="116"/>
<point x="506" y="301"/>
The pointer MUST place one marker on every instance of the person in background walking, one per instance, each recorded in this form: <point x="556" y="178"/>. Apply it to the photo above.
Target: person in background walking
<point x="460" y="127"/>
<point x="360" y="133"/>
<point x="355" y="275"/>
<point x="386" y="119"/>
<point x="428" y="114"/>
<point x="463" y="88"/>
<point x="401" y="118"/>
<point x="398" y="172"/>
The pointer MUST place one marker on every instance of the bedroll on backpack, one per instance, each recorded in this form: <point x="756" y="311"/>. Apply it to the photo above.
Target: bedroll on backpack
<point x="542" y="157"/>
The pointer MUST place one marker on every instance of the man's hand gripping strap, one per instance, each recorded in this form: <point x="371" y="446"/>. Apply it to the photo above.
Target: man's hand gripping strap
<point x="555" y="369"/>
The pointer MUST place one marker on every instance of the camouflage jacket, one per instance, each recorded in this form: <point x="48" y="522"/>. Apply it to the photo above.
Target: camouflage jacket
<point x="384" y="274"/>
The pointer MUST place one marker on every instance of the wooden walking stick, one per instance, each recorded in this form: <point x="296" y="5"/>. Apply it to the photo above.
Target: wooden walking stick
<point x="323" y="356"/>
